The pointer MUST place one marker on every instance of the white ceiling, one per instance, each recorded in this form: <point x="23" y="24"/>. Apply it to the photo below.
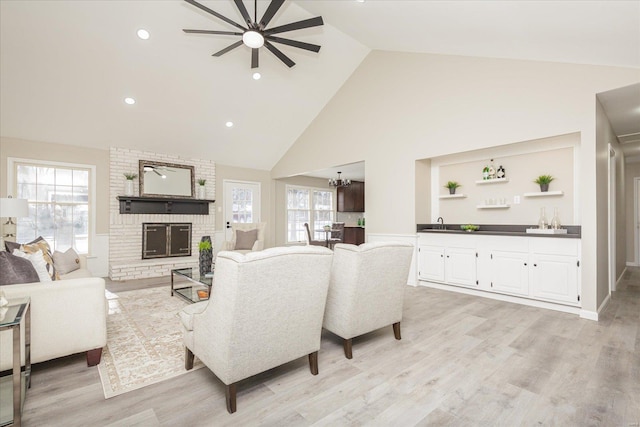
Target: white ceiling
<point x="352" y="171"/>
<point x="65" y="66"/>
<point x="622" y="106"/>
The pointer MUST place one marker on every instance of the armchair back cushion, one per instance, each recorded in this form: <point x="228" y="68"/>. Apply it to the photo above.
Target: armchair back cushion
<point x="241" y="240"/>
<point x="367" y="287"/>
<point x="265" y="310"/>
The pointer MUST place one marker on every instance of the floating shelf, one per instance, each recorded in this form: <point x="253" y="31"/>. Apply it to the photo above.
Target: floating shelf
<point x="493" y="206"/>
<point x="163" y="205"/>
<point x="492" y="181"/>
<point x="544" y="194"/>
<point x="453" y="196"/>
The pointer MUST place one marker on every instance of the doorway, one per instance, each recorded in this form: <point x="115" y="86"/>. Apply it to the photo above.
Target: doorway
<point x="612" y="220"/>
<point x="241" y="203"/>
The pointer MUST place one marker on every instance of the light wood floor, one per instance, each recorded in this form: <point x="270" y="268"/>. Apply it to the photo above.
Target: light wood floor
<point x="462" y="361"/>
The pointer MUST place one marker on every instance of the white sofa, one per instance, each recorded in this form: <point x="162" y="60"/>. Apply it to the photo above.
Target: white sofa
<point x="68" y="316"/>
<point x="265" y="310"/>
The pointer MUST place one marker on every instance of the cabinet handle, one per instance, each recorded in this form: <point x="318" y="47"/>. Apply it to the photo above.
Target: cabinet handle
<point x="525" y="264"/>
<point x="447" y="256"/>
<point x="535" y="265"/>
<point x="441" y="256"/>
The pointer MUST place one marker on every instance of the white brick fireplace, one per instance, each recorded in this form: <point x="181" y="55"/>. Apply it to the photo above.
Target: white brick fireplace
<point x="125" y="230"/>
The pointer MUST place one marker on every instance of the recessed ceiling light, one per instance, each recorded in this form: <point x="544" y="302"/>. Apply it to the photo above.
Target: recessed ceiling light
<point x="360" y="1"/>
<point x="129" y="101"/>
<point x="143" y="34"/>
<point x="229" y="124"/>
<point x="256" y="76"/>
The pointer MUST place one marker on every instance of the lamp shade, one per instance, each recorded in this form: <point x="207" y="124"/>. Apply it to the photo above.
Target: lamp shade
<point x="13" y="208"/>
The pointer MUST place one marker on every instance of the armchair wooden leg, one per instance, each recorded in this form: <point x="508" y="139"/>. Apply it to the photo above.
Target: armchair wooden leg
<point x="231" y="397"/>
<point x="94" y="356"/>
<point x="396" y="330"/>
<point x="313" y="363"/>
<point x="188" y="359"/>
<point x="348" y="347"/>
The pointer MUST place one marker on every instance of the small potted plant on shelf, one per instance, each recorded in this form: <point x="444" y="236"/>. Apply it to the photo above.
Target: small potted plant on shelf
<point x="543" y="181"/>
<point x="452" y="185"/>
<point x="202" y="191"/>
<point x="128" y="184"/>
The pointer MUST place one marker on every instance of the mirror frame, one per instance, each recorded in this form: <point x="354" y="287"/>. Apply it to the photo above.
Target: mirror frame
<point x="143" y="163"/>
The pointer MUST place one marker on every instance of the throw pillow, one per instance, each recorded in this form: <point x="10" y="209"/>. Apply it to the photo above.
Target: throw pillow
<point x="16" y="270"/>
<point x="38" y="262"/>
<point x="245" y="239"/>
<point x="10" y="246"/>
<point x="66" y="262"/>
<point x="41" y="245"/>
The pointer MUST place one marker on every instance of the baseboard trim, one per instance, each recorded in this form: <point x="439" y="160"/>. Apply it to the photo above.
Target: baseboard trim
<point x="632" y="264"/>
<point x="589" y="315"/>
<point x="506" y="298"/>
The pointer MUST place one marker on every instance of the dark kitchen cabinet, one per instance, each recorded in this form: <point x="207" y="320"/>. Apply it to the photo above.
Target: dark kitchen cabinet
<point x="354" y="235"/>
<point x="351" y="198"/>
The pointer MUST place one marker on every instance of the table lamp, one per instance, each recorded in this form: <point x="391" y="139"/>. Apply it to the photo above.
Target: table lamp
<point x="10" y="208"/>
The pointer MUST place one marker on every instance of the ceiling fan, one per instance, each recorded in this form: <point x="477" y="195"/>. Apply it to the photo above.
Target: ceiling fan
<point x="256" y="35"/>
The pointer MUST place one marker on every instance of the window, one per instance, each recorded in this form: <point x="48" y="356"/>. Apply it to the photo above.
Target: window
<point x="59" y="197"/>
<point x="311" y="205"/>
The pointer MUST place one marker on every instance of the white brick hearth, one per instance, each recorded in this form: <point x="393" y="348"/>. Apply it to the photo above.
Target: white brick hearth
<point x="125" y="230"/>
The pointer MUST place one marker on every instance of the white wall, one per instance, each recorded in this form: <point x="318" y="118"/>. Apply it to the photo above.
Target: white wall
<point x="401" y="107"/>
<point x="632" y="170"/>
<point x="523" y="163"/>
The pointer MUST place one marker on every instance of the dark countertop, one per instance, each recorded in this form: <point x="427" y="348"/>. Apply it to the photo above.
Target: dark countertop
<point x="573" y="231"/>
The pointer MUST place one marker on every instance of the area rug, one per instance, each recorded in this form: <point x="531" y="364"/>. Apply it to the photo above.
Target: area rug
<point x="144" y="340"/>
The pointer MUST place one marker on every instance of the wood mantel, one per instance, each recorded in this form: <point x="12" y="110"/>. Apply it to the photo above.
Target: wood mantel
<point x="163" y="205"/>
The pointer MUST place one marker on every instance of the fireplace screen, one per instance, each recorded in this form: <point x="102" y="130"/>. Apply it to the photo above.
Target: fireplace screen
<point x="162" y="240"/>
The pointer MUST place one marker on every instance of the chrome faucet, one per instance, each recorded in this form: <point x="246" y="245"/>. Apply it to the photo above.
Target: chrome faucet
<point x="441" y="222"/>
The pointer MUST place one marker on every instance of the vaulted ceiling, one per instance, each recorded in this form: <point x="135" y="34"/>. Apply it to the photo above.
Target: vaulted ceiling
<point x="66" y="66"/>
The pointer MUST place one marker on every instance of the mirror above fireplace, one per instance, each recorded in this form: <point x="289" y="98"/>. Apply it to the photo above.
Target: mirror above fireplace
<point x="159" y="179"/>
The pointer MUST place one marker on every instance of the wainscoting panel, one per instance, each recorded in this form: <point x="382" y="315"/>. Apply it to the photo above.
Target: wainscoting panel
<point x="98" y="259"/>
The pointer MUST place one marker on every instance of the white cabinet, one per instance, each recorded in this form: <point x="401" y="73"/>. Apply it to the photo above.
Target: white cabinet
<point x="447" y="259"/>
<point x="554" y="271"/>
<point x="460" y="266"/>
<point x="431" y="263"/>
<point x="540" y="268"/>
<point x="510" y="272"/>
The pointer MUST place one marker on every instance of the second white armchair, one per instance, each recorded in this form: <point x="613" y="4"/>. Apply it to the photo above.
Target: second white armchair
<point x="246" y="237"/>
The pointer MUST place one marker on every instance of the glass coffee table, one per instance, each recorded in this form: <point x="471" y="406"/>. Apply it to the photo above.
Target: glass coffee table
<point x="188" y="284"/>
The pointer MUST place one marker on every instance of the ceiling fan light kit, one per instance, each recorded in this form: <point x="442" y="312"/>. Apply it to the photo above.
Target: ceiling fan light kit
<point x="256" y="34"/>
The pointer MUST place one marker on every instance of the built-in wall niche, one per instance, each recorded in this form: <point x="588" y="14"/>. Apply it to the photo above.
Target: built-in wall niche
<point x="516" y="199"/>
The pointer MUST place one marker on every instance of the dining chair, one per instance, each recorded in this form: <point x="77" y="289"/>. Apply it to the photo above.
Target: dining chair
<point x="337" y="233"/>
<point x="311" y="241"/>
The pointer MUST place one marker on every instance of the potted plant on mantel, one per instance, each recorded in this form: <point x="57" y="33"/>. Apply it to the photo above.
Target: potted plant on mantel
<point x="452" y="185"/>
<point x="543" y="181"/>
<point x="202" y="191"/>
<point x="128" y="184"/>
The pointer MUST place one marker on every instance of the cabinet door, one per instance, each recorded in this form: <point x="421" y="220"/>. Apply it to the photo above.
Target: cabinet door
<point x="554" y="278"/>
<point x="358" y="196"/>
<point x="431" y="263"/>
<point x="460" y="266"/>
<point x="510" y="272"/>
<point x="359" y="235"/>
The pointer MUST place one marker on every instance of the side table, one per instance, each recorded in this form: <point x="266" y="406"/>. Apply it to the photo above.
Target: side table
<point x="11" y="318"/>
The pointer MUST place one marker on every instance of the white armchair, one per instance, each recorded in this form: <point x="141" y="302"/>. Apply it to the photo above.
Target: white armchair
<point x="265" y="310"/>
<point x="367" y="289"/>
<point x="242" y="247"/>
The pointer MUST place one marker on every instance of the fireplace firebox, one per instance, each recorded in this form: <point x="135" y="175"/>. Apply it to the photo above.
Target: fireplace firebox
<point x="163" y="240"/>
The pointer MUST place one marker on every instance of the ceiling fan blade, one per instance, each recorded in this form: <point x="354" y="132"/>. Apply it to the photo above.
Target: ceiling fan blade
<point x="274" y="6"/>
<point x="295" y="43"/>
<point x="228" y="48"/>
<point x="216" y="14"/>
<point x="228" y="33"/>
<point x="243" y="12"/>
<point x="281" y="56"/>
<point x="307" y="23"/>
<point x="254" y="58"/>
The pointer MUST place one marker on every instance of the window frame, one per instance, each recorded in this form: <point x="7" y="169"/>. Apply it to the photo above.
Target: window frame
<point x="12" y="189"/>
<point x="311" y="209"/>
